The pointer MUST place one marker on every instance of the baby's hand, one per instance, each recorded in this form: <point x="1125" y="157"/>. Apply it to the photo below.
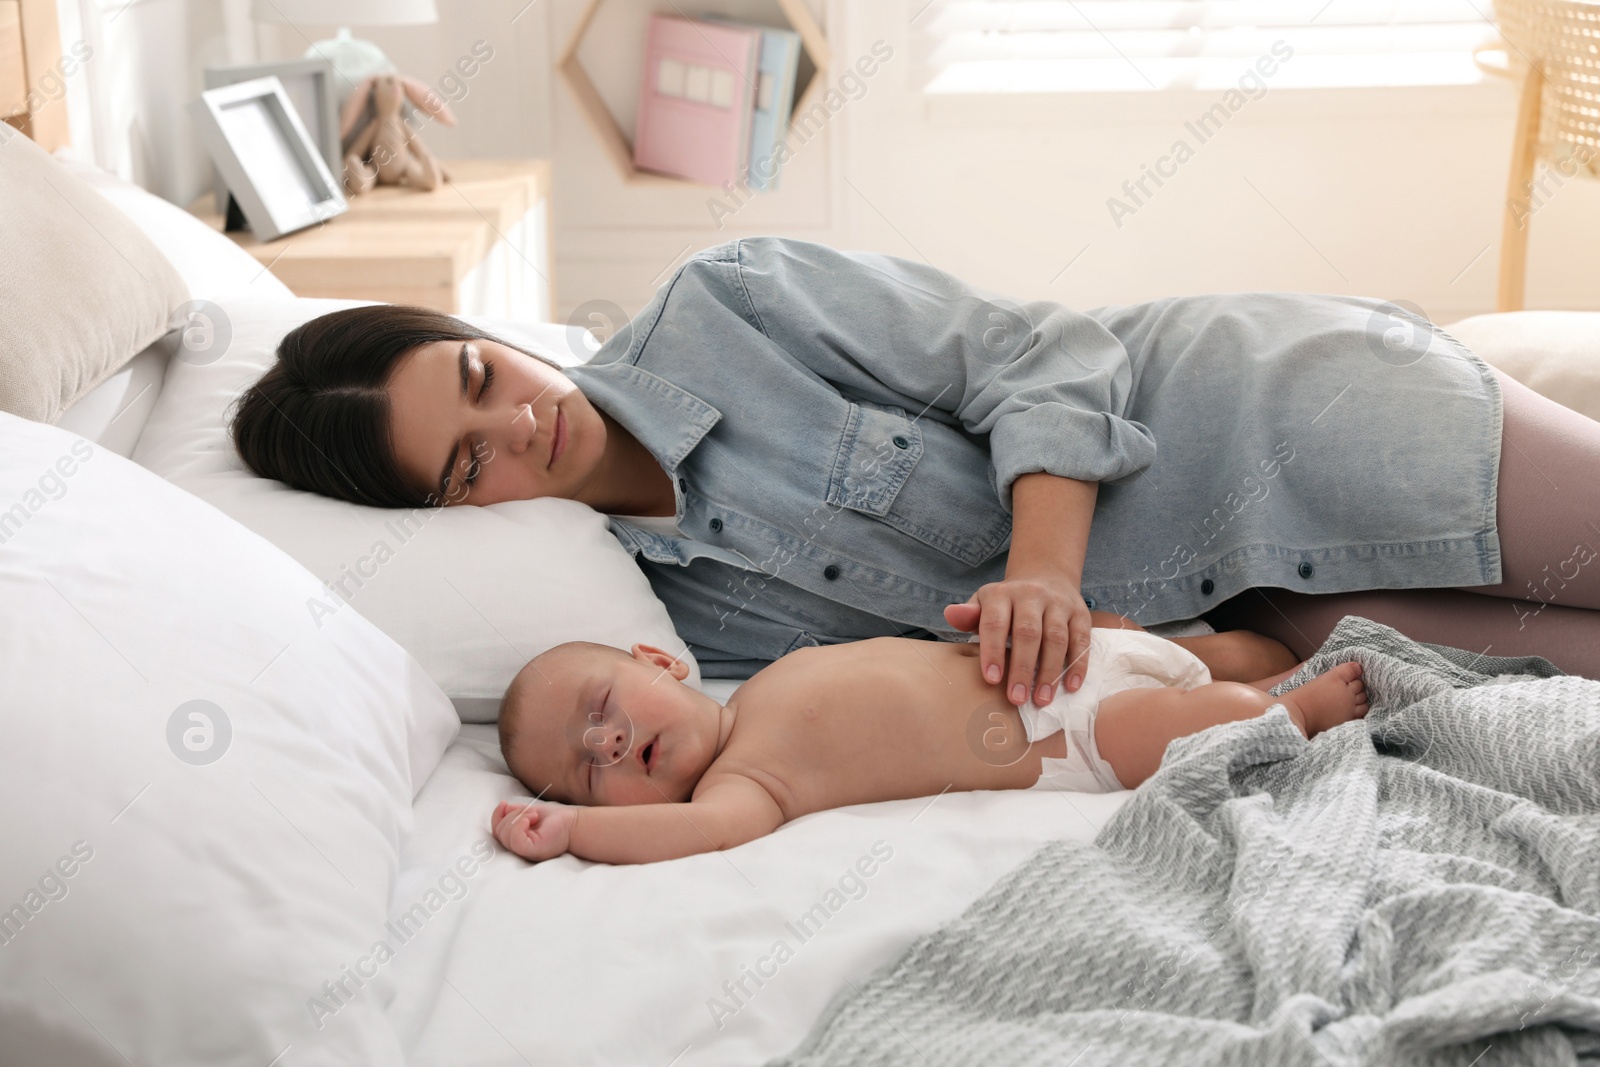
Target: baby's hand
<point x="533" y="830"/>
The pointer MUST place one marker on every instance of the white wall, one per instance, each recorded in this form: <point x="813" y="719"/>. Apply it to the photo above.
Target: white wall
<point x="1388" y="192"/>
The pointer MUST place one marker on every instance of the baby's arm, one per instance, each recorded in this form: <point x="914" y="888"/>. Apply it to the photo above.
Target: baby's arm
<point x="728" y="812"/>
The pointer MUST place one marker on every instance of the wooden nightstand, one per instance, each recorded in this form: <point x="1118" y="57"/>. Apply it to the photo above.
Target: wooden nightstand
<point x="477" y="245"/>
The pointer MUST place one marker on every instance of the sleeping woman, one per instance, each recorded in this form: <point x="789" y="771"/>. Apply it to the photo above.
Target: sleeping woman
<point x="803" y="446"/>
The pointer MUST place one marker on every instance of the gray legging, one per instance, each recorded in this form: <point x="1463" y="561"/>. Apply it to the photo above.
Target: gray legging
<point x="1548" y="511"/>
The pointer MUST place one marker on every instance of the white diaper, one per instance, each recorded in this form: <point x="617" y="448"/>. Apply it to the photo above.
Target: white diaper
<point x="1117" y="660"/>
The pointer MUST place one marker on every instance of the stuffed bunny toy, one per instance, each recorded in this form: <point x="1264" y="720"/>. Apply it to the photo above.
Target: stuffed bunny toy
<point x="386" y="149"/>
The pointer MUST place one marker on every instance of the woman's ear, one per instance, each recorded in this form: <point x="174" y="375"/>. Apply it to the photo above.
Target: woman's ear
<point x="665" y="660"/>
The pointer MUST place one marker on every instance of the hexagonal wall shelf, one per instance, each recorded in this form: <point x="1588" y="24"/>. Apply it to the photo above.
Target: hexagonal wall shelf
<point x="604" y="123"/>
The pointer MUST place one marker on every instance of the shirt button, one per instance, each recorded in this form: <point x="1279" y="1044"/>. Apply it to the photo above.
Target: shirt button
<point x="683" y="485"/>
<point x="1206" y="586"/>
<point x="716" y="525"/>
<point x="901" y="442"/>
<point x="830" y="572"/>
<point x="1306" y="570"/>
<point x="1089" y="602"/>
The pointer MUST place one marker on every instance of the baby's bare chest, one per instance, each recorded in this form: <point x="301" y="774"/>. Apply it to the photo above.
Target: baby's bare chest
<point x="879" y="724"/>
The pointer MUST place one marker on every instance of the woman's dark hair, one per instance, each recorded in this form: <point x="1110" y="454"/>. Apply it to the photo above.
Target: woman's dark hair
<point x="319" y="419"/>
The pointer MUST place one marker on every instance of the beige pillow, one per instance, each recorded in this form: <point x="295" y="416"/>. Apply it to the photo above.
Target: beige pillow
<point x="84" y="290"/>
<point x="1554" y="353"/>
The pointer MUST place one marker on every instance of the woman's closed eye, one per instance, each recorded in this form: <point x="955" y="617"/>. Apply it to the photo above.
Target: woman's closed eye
<point x="474" y="460"/>
<point x="475" y="465"/>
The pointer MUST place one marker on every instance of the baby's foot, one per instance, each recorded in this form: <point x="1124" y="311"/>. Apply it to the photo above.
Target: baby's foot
<point x="1335" y="696"/>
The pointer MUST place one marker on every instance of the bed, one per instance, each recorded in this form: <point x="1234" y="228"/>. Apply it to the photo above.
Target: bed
<point x="252" y="756"/>
<point x="677" y="949"/>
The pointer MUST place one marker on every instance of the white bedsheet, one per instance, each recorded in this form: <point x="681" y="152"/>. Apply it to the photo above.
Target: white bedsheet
<point x="572" y="963"/>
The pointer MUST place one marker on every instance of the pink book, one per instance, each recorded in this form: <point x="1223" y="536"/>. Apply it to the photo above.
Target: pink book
<point x="696" y="97"/>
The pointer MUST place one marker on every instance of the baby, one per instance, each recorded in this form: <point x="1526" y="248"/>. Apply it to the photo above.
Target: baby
<point x="662" y="770"/>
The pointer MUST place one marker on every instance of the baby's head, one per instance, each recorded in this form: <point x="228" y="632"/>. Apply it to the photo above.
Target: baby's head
<point x="591" y="724"/>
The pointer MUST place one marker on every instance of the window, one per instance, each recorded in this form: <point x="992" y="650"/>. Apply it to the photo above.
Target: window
<point x="1050" y="46"/>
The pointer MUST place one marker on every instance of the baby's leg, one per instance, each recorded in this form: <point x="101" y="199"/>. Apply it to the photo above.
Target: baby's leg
<point x="1264" y="684"/>
<point x="1133" y="728"/>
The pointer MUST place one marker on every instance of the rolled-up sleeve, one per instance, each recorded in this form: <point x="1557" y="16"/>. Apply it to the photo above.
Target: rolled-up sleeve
<point x="1048" y="386"/>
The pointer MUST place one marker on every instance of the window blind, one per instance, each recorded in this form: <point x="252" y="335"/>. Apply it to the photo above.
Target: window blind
<point x="965" y="46"/>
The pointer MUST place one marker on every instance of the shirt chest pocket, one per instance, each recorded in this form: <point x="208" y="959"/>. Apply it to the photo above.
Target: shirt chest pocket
<point x="932" y="486"/>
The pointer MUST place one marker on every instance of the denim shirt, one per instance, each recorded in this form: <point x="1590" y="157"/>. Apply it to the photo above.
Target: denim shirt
<point x="843" y="430"/>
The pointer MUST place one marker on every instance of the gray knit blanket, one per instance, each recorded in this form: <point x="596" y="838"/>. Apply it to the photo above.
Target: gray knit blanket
<point x="1420" y="888"/>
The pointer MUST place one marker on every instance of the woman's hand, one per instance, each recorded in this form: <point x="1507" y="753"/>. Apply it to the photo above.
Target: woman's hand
<point x="1044" y="616"/>
<point x="1038" y="605"/>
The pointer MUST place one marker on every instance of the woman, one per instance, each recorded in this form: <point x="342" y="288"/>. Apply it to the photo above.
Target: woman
<point x="801" y="445"/>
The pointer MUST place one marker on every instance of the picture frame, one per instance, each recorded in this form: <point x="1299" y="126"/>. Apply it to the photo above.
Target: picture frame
<point x="311" y="88"/>
<point x="267" y="158"/>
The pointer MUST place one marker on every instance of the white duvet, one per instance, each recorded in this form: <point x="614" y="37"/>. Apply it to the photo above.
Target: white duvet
<point x="724" y="958"/>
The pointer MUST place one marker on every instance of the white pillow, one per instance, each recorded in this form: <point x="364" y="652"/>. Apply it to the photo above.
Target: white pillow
<point x="1554" y="353"/>
<point x="212" y="266"/>
<point x="472" y="592"/>
<point x="205" y="794"/>
<point x="113" y="413"/>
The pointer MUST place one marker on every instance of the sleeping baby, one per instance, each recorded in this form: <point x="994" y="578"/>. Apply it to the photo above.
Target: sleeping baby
<point x="648" y="768"/>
